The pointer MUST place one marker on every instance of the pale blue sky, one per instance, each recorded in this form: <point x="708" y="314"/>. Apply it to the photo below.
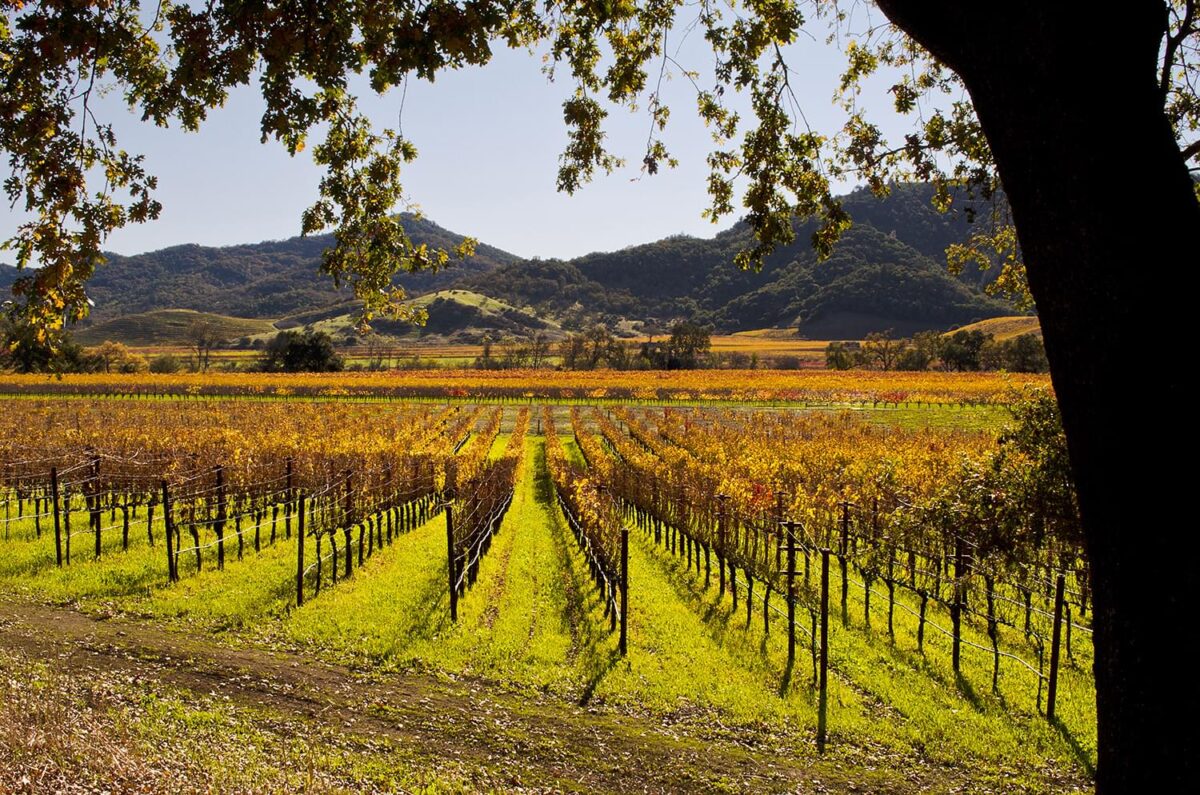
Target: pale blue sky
<point x="488" y="140"/>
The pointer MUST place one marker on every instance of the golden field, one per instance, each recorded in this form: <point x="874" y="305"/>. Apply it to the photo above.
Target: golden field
<point x="739" y="386"/>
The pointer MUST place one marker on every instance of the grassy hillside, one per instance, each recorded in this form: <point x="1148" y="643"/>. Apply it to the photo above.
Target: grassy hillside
<point x="168" y="327"/>
<point x="1005" y="328"/>
<point x="464" y="315"/>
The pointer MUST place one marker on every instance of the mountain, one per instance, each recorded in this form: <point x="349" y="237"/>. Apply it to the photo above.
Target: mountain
<point x="888" y="271"/>
<point x="263" y="280"/>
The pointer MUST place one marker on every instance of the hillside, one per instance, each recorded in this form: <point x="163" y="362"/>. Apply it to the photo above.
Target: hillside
<point x="262" y="280"/>
<point x="1005" y="328"/>
<point x="455" y="315"/>
<point x="168" y="327"/>
<point x="887" y="272"/>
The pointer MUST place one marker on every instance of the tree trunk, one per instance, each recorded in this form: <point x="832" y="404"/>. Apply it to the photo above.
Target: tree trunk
<point x="1104" y="207"/>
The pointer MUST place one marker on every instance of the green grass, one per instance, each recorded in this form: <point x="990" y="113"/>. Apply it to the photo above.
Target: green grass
<point x="170" y="327"/>
<point x="28" y="563"/>
<point x="533" y="621"/>
<point x="890" y="693"/>
<point x="512" y="624"/>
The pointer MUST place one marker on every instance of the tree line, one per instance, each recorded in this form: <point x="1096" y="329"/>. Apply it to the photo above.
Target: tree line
<point x="23" y="350"/>
<point x="688" y="346"/>
<point x="961" y="351"/>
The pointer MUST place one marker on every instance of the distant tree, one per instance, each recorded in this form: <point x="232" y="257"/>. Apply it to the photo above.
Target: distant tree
<point x="115" y="357"/>
<point x="539" y="349"/>
<point x="203" y="335"/>
<point x="302" y="352"/>
<point x="689" y="344"/>
<point x="571" y="351"/>
<point x="619" y="356"/>
<point x="485" y="361"/>
<point x="166" y="364"/>
<point x="598" y="340"/>
<point x="838" y="356"/>
<point x="1026" y="354"/>
<point x="737" y="360"/>
<point x="26" y="351"/>
<point x="963" y="350"/>
<point x="879" y="349"/>
<point x="921" y="351"/>
<point x="376" y="350"/>
<point x="514" y="353"/>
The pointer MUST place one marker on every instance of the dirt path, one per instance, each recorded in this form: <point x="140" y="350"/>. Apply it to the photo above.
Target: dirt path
<point x="526" y="740"/>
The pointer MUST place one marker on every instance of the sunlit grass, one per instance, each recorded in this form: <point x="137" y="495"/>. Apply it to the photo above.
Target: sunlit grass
<point x="533" y="620"/>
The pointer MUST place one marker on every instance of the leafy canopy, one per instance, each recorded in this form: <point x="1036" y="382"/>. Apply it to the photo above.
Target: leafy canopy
<point x="173" y="62"/>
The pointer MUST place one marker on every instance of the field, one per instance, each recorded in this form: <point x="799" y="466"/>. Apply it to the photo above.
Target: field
<point x="255" y="595"/>
<point x="803" y="388"/>
<point x="157" y="333"/>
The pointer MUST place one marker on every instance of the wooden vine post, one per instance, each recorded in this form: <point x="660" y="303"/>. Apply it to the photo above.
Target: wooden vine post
<point x="299" y="548"/>
<point x="289" y="497"/>
<point x="791" y="593"/>
<point x="172" y="573"/>
<point x="219" y="524"/>
<point x="1055" y="642"/>
<point x="957" y="605"/>
<point x="721" y="544"/>
<point x="94" y="501"/>
<point x="843" y="551"/>
<point x="66" y="518"/>
<point x="451" y="563"/>
<point x="823" y="674"/>
<point x="58" y="549"/>
<point x="624" y="590"/>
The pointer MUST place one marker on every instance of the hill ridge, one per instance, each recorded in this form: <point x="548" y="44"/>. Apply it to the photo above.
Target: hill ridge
<point x="887" y="272"/>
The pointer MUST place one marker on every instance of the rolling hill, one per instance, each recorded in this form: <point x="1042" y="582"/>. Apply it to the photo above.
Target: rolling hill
<point x="168" y="327"/>
<point x="456" y="315"/>
<point x="262" y="280"/>
<point x="1005" y="328"/>
<point x="888" y="272"/>
<point x="882" y="275"/>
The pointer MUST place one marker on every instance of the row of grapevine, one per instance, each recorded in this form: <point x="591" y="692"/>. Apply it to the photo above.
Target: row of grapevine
<point x="479" y="492"/>
<point x="724" y="490"/>
<point x="207" y="484"/>
<point x="596" y="521"/>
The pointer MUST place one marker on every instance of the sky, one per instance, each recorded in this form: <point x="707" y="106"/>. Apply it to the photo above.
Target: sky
<point x="488" y="139"/>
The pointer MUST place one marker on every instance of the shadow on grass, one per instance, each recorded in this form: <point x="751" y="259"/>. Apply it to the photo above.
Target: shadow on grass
<point x="602" y="668"/>
<point x="719" y="617"/>
<point x="1077" y="750"/>
<point x="968" y="691"/>
<point x="785" y="684"/>
<point x="580" y="618"/>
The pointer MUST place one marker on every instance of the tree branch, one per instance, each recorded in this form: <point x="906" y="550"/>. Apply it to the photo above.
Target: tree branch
<point x="1172" y="47"/>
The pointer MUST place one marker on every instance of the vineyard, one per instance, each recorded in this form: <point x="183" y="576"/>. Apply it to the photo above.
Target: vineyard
<point x="767" y="387"/>
<point x="855" y="587"/>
